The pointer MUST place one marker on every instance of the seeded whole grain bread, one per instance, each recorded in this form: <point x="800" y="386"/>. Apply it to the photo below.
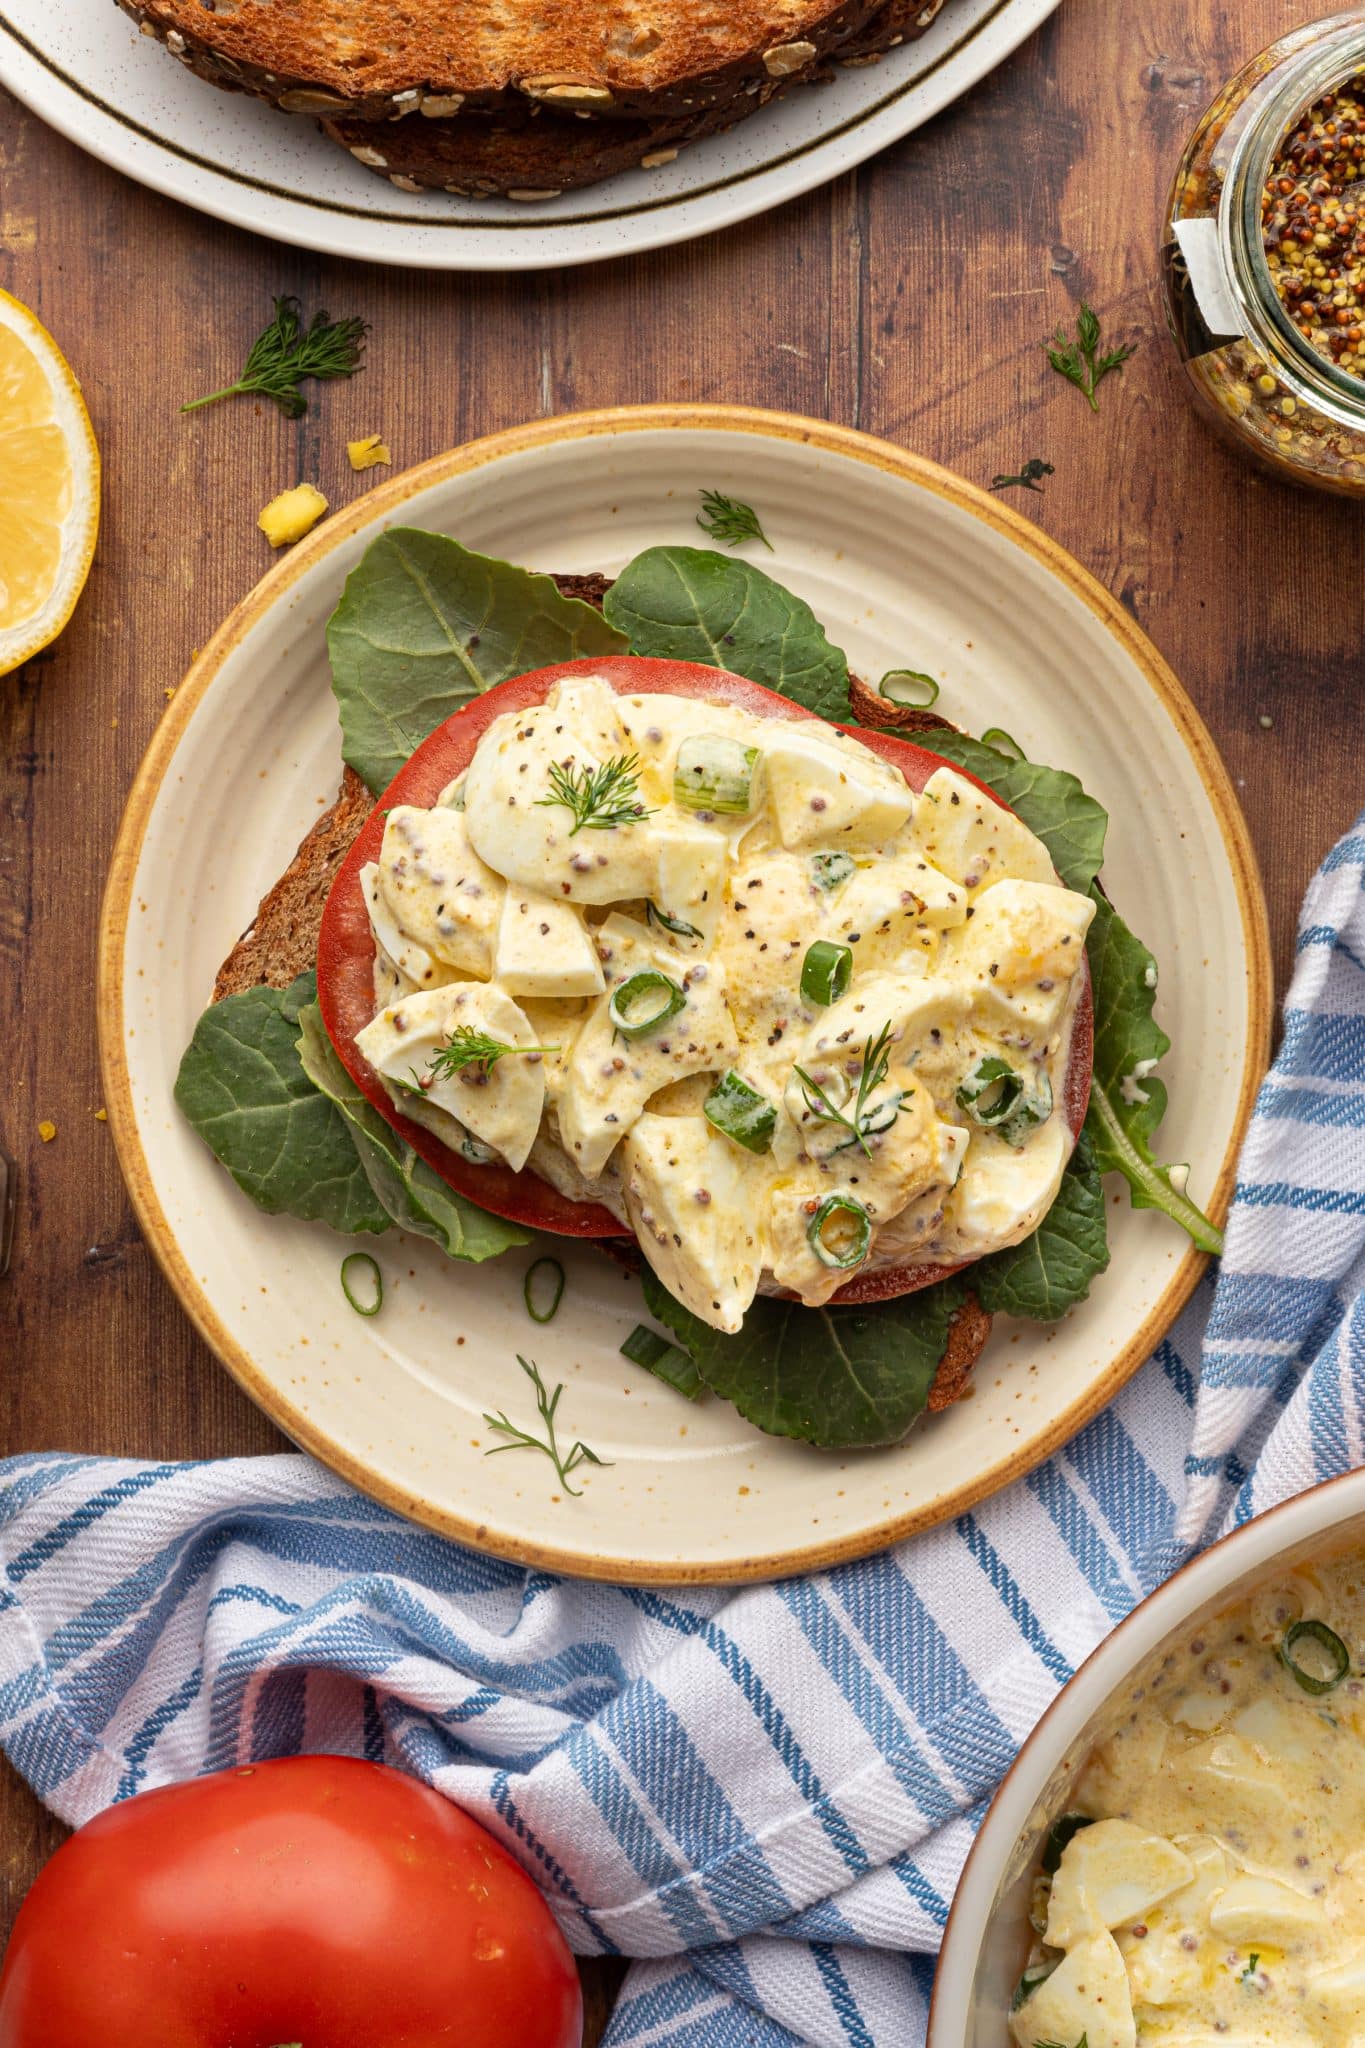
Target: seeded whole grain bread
<point x="520" y="100"/>
<point x="281" y="943"/>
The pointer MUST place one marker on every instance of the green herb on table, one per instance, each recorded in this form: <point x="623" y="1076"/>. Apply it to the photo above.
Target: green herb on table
<point x="727" y="520"/>
<point x="860" y="1125"/>
<point x="1080" y="362"/>
<point x="564" y="1462"/>
<point x="287" y="352"/>
<point x="600" y="798"/>
<point x="468" y="1047"/>
<point x="1029" y="478"/>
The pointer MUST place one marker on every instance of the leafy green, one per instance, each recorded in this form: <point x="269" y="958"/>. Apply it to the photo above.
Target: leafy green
<point x="1051" y="1271"/>
<point x="411" y="1192"/>
<point x="691" y="604"/>
<point x="1051" y="802"/>
<point x="1126" y="1105"/>
<point x="842" y="1378"/>
<point x="424" y="625"/>
<point x="243" y="1088"/>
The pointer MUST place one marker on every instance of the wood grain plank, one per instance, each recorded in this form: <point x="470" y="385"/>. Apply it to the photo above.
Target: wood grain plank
<point x="910" y="298"/>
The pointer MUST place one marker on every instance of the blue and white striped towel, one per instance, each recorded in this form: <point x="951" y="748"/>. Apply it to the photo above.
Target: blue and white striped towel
<point x="766" y="1796"/>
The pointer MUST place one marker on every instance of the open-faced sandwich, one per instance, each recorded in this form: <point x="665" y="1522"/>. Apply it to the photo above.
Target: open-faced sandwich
<point x="623" y="929"/>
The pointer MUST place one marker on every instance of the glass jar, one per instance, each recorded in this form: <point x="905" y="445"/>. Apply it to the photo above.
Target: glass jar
<point x="1262" y="380"/>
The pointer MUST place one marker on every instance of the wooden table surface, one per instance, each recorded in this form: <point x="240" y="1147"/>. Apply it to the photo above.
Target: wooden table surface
<point x="909" y="298"/>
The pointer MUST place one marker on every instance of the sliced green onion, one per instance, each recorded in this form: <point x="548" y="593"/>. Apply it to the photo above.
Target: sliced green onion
<point x="1033" y="1976"/>
<point x="1326" y="1670"/>
<point x="741" y="1113"/>
<point x="990" y="1093"/>
<point x="996" y="736"/>
<point x="831" y="870"/>
<point x="852" y="1232"/>
<point x="553" y="1286"/>
<point x="908" y="686"/>
<point x="637" y="989"/>
<point x="376" y="1278"/>
<point x="653" y="915"/>
<point x="714" y="773"/>
<point x="668" y="1362"/>
<point x="475" y="1151"/>
<point x="1034" y="1109"/>
<point x="1058" y="1835"/>
<point x="826" y="972"/>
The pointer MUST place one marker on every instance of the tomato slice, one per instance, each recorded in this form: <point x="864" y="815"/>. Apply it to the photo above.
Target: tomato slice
<point x="346" y="946"/>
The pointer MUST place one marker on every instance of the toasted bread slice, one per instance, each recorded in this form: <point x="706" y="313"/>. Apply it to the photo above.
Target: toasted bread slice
<point x="390" y="58"/>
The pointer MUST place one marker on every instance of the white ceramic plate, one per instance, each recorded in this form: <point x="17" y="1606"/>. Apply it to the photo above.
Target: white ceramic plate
<point x="82" y="66"/>
<point x="904" y="564"/>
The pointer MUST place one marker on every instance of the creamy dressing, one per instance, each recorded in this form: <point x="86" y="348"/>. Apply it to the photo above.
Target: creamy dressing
<point x="1218" y="1900"/>
<point x="503" y="911"/>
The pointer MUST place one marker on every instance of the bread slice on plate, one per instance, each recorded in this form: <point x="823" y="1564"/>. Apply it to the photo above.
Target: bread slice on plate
<point x="281" y="943"/>
<point x="518" y="99"/>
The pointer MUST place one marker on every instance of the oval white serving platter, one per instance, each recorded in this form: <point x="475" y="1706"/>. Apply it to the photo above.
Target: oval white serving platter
<point x="82" y="67"/>
<point x="905" y="565"/>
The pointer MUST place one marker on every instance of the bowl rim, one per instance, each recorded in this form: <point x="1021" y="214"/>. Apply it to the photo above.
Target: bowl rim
<point x="384" y="505"/>
<point x="1255" y="1545"/>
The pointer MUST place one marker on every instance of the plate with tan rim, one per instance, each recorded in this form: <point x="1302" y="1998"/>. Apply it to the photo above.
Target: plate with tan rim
<point x="904" y="564"/>
<point x="83" y="68"/>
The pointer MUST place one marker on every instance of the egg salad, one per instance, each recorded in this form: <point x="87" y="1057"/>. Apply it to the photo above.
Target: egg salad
<point x="732" y="979"/>
<point x="1209" y="1889"/>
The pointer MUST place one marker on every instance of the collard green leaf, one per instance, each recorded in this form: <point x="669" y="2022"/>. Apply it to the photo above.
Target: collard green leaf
<point x="411" y="1192"/>
<point x="242" y="1087"/>
<point x="1051" y="1271"/>
<point x="424" y="625"/>
<point x="1127" y="1103"/>
<point x="1051" y="803"/>
<point x="691" y="604"/>
<point x="842" y="1378"/>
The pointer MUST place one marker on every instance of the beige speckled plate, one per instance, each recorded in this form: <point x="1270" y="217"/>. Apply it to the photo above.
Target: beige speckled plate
<point x="904" y="564"/>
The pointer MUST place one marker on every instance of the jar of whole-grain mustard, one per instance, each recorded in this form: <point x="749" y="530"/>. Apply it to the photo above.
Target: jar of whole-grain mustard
<point x="1264" y="258"/>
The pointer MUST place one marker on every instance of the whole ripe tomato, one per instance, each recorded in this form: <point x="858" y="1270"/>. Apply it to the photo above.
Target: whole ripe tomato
<point x="315" y="1900"/>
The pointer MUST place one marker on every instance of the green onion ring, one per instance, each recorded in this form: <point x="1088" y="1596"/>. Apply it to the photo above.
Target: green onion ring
<point x="740" y="1112"/>
<point x="908" y="686"/>
<point x="1326" y="1639"/>
<point x="1034" y="1109"/>
<point x="826" y="972"/>
<point x="1033" y="1976"/>
<point x="528" y="1289"/>
<point x="830" y="870"/>
<point x="829" y="1209"/>
<point x="990" y="1094"/>
<point x="628" y="993"/>
<point x="714" y="773"/>
<point x="1058" y="1835"/>
<point x="362" y="1259"/>
<point x="668" y="1362"/>
<point x="995" y="736"/>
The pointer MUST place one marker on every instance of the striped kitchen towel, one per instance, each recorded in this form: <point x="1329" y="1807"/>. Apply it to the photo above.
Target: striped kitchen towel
<point x="764" y="1796"/>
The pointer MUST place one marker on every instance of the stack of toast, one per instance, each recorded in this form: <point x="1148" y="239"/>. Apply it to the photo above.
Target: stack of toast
<point x="489" y="97"/>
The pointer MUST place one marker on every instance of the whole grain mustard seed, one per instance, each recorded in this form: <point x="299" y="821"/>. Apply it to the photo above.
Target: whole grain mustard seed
<point x="1313" y="225"/>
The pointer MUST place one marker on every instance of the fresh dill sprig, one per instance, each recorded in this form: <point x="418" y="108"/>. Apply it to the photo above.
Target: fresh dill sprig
<point x="1079" y="361"/>
<point x="287" y="352"/>
<point x="726" y="519"/>
<point x="599" y="798"/>
<point x="876" y="1065"/>
<point x="523" y="1440"/>
<point x="468" y="1047"/>
<point x="1029" y="478"/>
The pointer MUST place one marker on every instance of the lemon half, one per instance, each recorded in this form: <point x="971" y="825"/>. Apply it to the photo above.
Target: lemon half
<point x="49" y="487"/>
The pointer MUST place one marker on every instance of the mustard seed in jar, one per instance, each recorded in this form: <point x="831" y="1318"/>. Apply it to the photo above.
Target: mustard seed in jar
<point x="1313" y="225"/>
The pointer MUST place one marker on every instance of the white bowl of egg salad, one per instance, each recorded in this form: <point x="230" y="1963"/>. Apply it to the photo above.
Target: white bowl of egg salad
<point x="1177" y="1857"/>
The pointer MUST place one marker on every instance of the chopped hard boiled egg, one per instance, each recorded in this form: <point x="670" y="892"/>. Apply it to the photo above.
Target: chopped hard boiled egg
<point x="754" y="1001"/>
<point x="292" y="514"/>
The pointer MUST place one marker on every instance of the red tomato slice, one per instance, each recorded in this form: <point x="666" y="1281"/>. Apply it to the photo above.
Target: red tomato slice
<point x="346" y="947"/>
<point x="315" y="1900"/>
